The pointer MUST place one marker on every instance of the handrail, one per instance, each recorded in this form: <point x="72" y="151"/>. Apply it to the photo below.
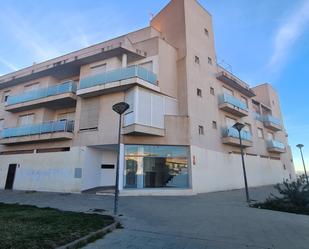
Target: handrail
<point x="66" y="87"/>
<point x="37" y="129"/>
<point x="117" y="75"/>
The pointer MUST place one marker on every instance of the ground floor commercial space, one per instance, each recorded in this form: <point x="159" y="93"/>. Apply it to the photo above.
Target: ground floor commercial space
<point x="144" y="169"/>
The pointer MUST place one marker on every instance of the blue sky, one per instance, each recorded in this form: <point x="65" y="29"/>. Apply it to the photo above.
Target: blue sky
<point x="262" y="40"/>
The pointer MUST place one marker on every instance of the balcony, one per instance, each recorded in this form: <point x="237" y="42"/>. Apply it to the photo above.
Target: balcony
<point x="117" y="80"/>
<point x="53" y="130"/>
<point x="54" y="97"/>
<point x="233" y="105"/>
<point x="272" y="123"/>
<point x="230" y="136"/>
<point x="234" y="82"/>
<point x="275" y="146"/>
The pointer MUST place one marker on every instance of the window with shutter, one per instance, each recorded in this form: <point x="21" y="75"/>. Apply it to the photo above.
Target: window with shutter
<point x="89" y="114"/>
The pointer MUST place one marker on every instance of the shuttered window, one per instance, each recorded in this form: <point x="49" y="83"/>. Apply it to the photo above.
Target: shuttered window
<point x="89" y="114"/>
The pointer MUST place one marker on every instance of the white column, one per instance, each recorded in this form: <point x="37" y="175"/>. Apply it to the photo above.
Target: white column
<point x="124" y="60"/>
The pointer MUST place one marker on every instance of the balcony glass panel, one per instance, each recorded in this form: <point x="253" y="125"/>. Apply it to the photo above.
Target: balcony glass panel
<point x="275" y="144"/>
<point x="232" y="132"/>
<point x="272" y="119"/>
<point x="227" y="98"/>
<point x="66" y="87"/>
<point x="36" y="129"/>
<point x="118" y="74"/>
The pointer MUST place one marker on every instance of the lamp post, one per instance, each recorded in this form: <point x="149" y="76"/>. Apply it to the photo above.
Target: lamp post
<point x="119" y="108"/>
<point x="239" y="126"/>
<point x="300" y="146"/>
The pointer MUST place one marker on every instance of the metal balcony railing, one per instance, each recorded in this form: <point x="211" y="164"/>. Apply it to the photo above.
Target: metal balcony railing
<point x="118" y="74"/>
<point x="37" y="129"/>
<point x="275" y="144"/>
<point x="227" y="98"/>
<point x="232" y="132"/>
<point x="66" y="87"/>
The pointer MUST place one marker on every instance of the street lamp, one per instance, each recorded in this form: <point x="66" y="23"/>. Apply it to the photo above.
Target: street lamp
<point x="119" y="108"/>
<point x="300" y="146"/>
<point x="238" y="126"/>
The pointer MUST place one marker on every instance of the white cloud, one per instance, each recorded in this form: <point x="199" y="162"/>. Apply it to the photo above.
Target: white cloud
<point x="8" y="64"/>
<point x="287" y="34"/>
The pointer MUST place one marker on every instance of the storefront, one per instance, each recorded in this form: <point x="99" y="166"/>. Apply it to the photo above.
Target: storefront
<point x="151" y="166"/>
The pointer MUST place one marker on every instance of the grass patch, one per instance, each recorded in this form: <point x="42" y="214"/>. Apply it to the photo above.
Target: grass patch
<point x="24" y="226"/>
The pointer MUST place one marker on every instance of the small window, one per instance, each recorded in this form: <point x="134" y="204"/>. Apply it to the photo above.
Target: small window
<point x="107" y="166"/>
<point x="290" y="176"/>
<point x="214" y="124"/>
<point x="201" y="130"/>
<point x="5" y="96"/>
<point x="212" y="91"/>
<point x="206" y="32"/>
<point x="284" y="167"/>
<point x="209" y="61"/>
<point x="199" y="92"/>
<point x="273" y="102"/>
<point x="197" y="60"/>
<point x="260" y="133"/>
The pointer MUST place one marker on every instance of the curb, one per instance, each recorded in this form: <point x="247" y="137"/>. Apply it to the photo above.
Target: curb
<point x="90" y="237"/>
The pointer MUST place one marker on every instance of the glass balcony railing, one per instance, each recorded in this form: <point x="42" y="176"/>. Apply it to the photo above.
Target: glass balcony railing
<point x="65" y="87"/>
<point x="232" y="132"/>
<point x="227" y="98"/>
<point x="37" y="129"/>
<point x="275" y="144"/>
<point x="118" y="74"/>
<point x="271" y="119"/>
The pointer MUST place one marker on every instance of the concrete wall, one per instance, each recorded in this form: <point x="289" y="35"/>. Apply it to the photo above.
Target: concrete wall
<point x="44" y="171"/>
<point x="216" y="171"/>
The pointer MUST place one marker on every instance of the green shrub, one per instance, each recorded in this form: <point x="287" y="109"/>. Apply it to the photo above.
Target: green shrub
<point x="293" y="198"/>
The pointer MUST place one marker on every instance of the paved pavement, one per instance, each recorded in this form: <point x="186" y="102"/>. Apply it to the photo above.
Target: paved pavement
<point x="209" y="221"/>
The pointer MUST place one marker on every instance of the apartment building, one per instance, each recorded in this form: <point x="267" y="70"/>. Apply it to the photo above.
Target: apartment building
<point x="59" y="132"/>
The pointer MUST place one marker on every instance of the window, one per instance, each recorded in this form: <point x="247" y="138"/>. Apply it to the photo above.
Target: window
<point x="260" y="133"/>
<point x="201" y="130"/>
<point x="5" y="96"/>
<point x="25" y="119"/>
<point x="214" y="124"/>
<point x="1" y="124"/>
<point x="199" y="92"/>
<point x="89" y="116"/>
<point x="156" y="166"/>
<point x="284" y="167"/>
<point x="197" y="60"/>
<point x="212" y="91"/>
<point x="31" y="87"/>
<point x="256" y="107"/>
<point x="107" y="166"/>
<point x="228" y="91"/>
<point x="230" y="121"/>
<point x="244" y="100"/>
<point x="206" y="31"/>
<point x="100" y="68"/>
<point x="247" y="128"/>
<point x="270" y="136"/>
<point x="209" y="61"/>
<point x="66" y="116"/>
<point x="147" y="65"/>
